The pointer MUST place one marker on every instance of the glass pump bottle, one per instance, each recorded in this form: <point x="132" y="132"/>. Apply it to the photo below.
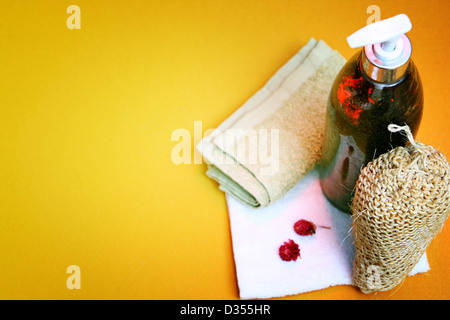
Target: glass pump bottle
<point x="378" y="86"/>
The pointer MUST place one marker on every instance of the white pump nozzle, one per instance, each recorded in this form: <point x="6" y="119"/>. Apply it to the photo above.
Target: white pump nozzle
<point x="386" y="47"/>
<point x="386" y="32"/>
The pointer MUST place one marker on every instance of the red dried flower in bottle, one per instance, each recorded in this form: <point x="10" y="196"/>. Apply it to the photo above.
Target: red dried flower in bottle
<point x="304" y="228"/>
<point x="289" y="251"/>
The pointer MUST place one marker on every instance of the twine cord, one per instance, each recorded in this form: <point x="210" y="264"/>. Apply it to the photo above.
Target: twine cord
<point x="407" y="131"/>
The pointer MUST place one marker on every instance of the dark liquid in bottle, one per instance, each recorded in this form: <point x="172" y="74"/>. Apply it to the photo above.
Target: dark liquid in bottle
<point x="358" y="114"/>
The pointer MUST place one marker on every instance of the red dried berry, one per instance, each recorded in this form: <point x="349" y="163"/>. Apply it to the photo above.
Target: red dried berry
<point x="289" y="251"/>
<point x="304" y="228"/>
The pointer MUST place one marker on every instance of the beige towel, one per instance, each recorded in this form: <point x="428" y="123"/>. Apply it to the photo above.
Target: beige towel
<point x="270" y="143"/>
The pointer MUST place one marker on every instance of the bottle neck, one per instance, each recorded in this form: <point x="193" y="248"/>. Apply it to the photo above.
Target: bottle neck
<point x="386" y="71"/>
<point x="379" y="74"/>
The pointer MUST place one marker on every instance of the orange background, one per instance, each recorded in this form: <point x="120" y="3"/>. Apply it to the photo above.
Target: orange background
<point x="86" y="117"/>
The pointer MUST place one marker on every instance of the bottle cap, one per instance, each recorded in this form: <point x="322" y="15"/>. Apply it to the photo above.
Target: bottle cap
<point x="386" y="48"/>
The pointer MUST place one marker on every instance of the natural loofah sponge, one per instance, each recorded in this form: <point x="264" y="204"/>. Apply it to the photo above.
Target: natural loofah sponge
<point x="401" y="202"/>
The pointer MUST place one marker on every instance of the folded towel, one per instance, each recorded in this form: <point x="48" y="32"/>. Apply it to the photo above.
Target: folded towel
<point x="326" y="257"/>
<point x="269" y="144"/>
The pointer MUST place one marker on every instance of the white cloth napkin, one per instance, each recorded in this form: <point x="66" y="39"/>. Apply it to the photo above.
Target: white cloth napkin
<point x="326" y="257"/>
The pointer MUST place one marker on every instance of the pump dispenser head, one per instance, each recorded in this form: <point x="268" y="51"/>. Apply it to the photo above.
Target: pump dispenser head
<point x="387" y="49"/>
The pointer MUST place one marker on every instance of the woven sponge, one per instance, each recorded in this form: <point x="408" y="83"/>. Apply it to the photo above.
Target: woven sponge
<point x="401" y="202"/>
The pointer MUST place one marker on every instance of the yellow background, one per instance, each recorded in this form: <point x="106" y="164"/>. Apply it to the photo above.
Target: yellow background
<point x="86" y="117"/>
